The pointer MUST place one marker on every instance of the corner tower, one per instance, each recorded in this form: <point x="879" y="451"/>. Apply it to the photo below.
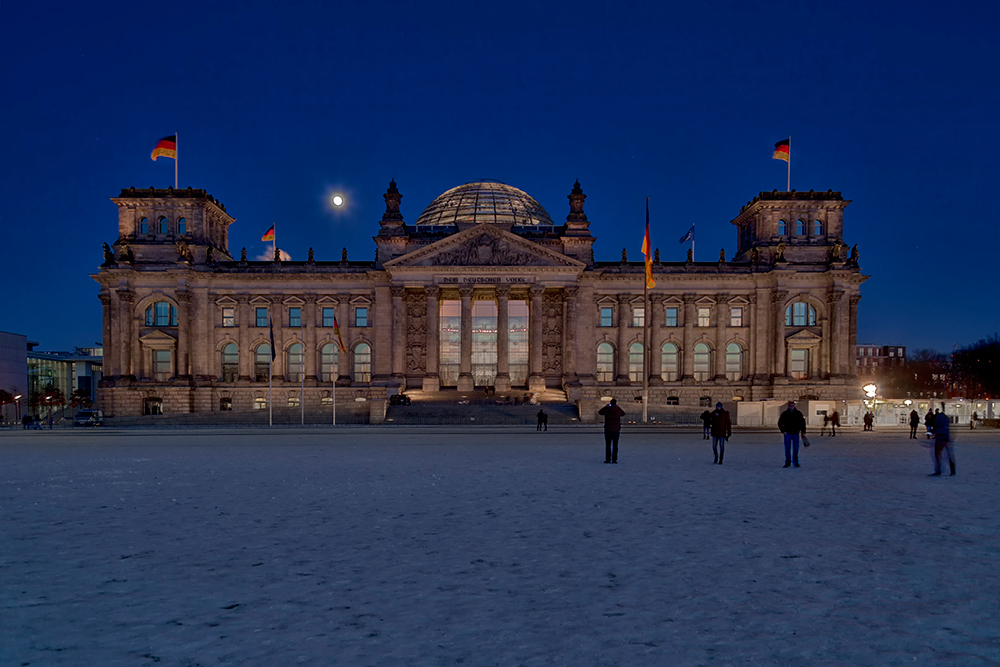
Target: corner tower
<point x="797" y="227"/>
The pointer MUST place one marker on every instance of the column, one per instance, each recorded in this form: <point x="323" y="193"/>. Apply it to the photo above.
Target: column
<point x="621" y="370"/>
<point x="687" y="354"/>
<point x="465" y="379"/>
<point x="852" y="328"/>
<point x="751" y="324"/>
<point x="125" y="299"/>
<point x="398" y="332"/>
<point x="311" y="351"/>
<point x="110" y="368"/>
<point x="204" y="341"/>
<point x="778" y="298"/>
<point x="183" y="333"/>
<point x="275" y="312"/>
<point x="826" y="324"/>
<point x="570" y="336"/>
<point x="764" y="368"/>
<point x="431" y="380"/>
<point x="655" y="316"/>
<point x="721" y="334"/>
<point x="536" y="381"/>
<point x="246" y="354"/>
<point x="503" y="339"/>
<point x="344" y="358"/>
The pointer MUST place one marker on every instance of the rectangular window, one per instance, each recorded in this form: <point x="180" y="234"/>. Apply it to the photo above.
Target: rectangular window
<point x="229" y="317"/>
<point x="328" y="317"/>
<point x="798" y="364"/>
<point x="607" y="316"/>
<point x="293" y="401"/>
<point x="161" y="365"/>
<point x="261" y="317"/>
<point x="295" y="317"/>
<point x="361" y="316"/>
<point x="704" y="317"/>
<point x="671" y="316"/>
<point x="639" y="317"/>
<point x="736" y="316"/>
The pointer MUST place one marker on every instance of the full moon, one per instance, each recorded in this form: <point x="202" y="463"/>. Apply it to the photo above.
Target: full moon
<point x="337" y="200"/>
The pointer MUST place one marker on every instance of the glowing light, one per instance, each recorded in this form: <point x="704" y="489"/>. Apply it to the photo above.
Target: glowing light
<point x="337" y="200"/>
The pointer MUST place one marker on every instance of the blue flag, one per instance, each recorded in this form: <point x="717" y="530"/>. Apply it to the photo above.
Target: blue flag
<point x="689" y="236"/>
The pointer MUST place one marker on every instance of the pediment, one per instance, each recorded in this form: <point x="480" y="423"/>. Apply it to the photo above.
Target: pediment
<point x="804" y="336"/>
<point x="484" y="245"/>
<point x="158" y="340"/>
<point x="226" y="301"/>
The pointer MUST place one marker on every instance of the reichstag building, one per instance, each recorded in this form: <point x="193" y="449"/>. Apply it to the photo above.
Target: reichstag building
<point x="483" y="290"/>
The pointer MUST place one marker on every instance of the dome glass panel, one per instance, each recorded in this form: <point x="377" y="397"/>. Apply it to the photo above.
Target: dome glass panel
<point x="492" y="202"/>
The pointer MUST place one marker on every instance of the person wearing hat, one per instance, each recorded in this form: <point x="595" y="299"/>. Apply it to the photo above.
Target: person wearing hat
<point x="792" y="423"/>
<point x="722" y="428"/>
<point x="612" y="429"/>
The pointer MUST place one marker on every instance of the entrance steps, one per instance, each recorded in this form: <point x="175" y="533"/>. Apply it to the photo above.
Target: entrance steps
<point x="516" y="407"/>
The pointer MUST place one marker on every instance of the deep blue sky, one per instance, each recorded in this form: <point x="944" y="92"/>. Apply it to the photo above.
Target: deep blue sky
<point x="279" y="104"/>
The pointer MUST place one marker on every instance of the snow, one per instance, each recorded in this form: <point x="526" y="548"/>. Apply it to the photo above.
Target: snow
<point x="478" y="546"/>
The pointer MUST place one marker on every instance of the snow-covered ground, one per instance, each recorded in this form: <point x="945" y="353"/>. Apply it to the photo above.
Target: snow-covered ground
<point x="381" y="546"/>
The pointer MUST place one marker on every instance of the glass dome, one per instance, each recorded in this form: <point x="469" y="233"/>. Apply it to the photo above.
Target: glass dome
<point x="484" y="201"/>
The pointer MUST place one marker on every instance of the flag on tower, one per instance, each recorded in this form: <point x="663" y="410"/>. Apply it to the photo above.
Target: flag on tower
<point x="783" y="150"/>
<point x="647" y="252"/>
<point x="268" y="235"/>
<point x="165" y="147"/>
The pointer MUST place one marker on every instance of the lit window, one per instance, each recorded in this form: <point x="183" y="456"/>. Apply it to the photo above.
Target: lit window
<point x="704" y="317"/>
<point x="229" y="317"/>
<point x="670" y="366"/>
<point x="605" y="362"/>
<point x="293" y="401"/>
<point x="361" y="316"/>
<point x="671" y="316"/>
<point x="152" y="406"/>
<point x="635" y="362"/>
<point x="144" y="226"/>
<point x="607" y="316"/>
<point x="182" y="226"/>
<point x="262" y="362"/>
<point x="734" y="361"/>
<point x="161" y="314"/>
<point x="800" y="314"/>
<point x="326" y="400"/>
<point x="782" y="227"/>
<point x="261" y="317"/>
<point x="161" y="365"/>
<point x="295" y="317"/>
<point x="639" y="317"/>
<point x="736" y="316"/>
<point x="225" y="404"/>
<point x="800" y="228"/>
<point x="702" y="362"/>
<point x="817" y="228"/>
<point x="328" y="363"/>
<point x="164" y="226"/>
<point x="798" y="363"/>
<point x="230" y="363"/>
<point x="294" y="362"/>
<point x="363" y="363"/>
<point x="260" y="403"/>
<point x="328" y="317"/>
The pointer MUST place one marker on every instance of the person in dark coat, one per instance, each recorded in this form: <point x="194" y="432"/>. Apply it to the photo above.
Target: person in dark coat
<point x="834" y="423"/>
<point x="914" y="423"/>
<point x="542" y="420"/>
<point x="706" y="421"/>
<point x="929" y="422"/>
<point x="791" y="423"/>
<point x="612" y="429"/>
<point x="722" y="428"/>
<point x="942" y="442"/>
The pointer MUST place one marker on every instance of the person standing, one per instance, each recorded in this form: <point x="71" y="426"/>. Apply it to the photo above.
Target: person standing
<point x="791" y="423"/>
<point x="612" y="429"/>
<point x="834" y="423"/>
<point x="722" y="428"/>
<point x="972" y="422"/>
<point x="929" y="422"/>
<point x="914" y="423"/>
<point x="942" y="441"/>
<point x="706" y="423"/>
<point x="541" y="420"/>
<point x="826" y="422"/>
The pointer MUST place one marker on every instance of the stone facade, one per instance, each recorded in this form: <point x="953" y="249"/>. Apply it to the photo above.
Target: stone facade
<point x="188" y="328"/>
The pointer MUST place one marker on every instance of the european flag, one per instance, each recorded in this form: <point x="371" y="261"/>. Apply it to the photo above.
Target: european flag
<point x="689" y="236"/>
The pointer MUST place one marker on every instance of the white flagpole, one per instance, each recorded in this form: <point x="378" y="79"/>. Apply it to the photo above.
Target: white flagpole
<point x="645" y="327"/>
<point x="177" y="157"/>
<point x="302" y="386"/>
<point x="335" y="371"/>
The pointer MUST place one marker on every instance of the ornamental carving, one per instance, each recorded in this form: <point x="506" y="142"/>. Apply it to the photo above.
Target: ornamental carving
<point x="552" y="331"/>
<point x="484" y="250"/>
<point x="416" y="332"/>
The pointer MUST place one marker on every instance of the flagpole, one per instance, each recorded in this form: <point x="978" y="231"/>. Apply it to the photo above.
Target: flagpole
<point x="177" y="155"/>
<point x="645" y="327"/>
<point x="788" y="186"/>
<point x="270" y="375"/>
<point x="302" y="385"/>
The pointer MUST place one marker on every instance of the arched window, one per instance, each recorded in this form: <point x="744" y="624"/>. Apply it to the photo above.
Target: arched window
<point x="734" y="361"/>
<point x="635" y="362"/>
<point x="800" y="314"/>
<point x="670" y="363"/>
<point x="363" y="363"/>
<point x="605" y="362"/>
<point x="262" y="362"/>
<point x="800" y="228"/>
<point x="295" y="357"/>
<point x="182" y="226"/>
<point x="230" y="363"/>
<point x="161" y="314"/>
<point x="817" y="228"/>
<point x="702" y="362"/>
<point x="144" y="226"/>
<point x="782" y="227"/>
<point x="328" y="363"/>
<point x="164" y="226"/>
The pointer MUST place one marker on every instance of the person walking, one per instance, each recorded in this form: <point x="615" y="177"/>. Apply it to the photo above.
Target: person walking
<point x="972" y="422"/>
<point x="826" y="422"/>
<point x="942" y="441"/>
<point x="914" y="423"/>
<point x="834" y="423"/>
<point x="706" y="423"/>
<point x="791" y="423"/>
<point x="541" y="420"/>
<point x="722" y="428"/>
<point x="929" y="422"/>
<point x="612" y="429"/>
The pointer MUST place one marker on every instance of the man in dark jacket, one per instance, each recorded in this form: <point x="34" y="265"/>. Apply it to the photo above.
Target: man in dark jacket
<point x="612" y="429"/>
<point x="942" y="441"/>
<point x="706" y="423"/>
<point x="722" y="428"/>
<point x="791" y="423"/>
<point x="914" y="423"/>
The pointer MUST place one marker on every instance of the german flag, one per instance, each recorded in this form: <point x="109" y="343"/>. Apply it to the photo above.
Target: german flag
<point x="647" y="252"/>
<point x="782" y="150"/>
<point x="336" y="330"/>
<point x="165" y="147"/>
<point x="268" y="235"/>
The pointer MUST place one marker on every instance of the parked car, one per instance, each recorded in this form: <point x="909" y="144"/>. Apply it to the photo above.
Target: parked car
<point x="89" y="418"/>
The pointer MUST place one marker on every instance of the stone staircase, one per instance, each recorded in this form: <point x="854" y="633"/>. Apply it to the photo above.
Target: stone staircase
<point x="476" y="408"/>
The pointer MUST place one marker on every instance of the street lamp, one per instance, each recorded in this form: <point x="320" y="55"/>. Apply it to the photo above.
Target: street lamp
<point x="17" y="406"/>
